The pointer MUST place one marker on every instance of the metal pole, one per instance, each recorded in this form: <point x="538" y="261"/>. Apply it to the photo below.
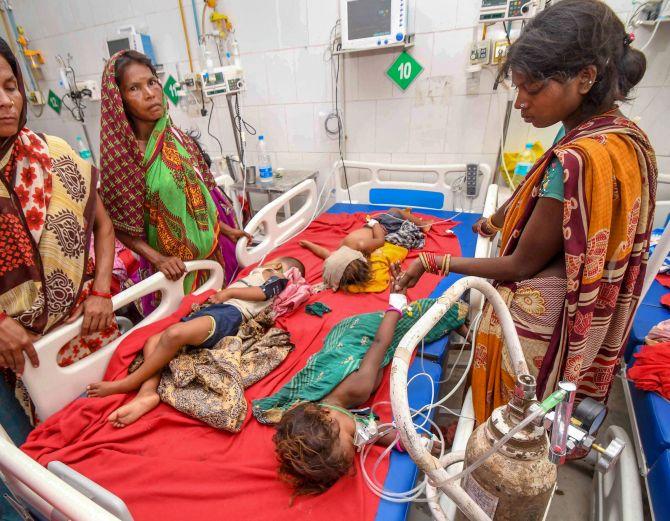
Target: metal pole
<point x="238" y="145"/>
<point x="88" y="141"/>
<point x="508" y="116"/>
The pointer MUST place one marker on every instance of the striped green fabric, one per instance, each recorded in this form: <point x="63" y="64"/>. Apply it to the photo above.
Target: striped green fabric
<point x="342" y="353"/>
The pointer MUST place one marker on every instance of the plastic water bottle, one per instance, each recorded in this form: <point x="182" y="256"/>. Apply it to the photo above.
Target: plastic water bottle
<point x="264" y="164"/>
<point x="524" y="164"/>
<point x="84" y="152"/>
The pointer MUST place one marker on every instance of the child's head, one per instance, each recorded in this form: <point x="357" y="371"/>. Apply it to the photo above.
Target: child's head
<point x="288" y="263"/>
<point x="315" y="447"/>
<point x="356" y="273"/>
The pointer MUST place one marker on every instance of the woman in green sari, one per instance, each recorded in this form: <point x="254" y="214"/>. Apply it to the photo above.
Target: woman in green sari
<point x="162" y="198"/>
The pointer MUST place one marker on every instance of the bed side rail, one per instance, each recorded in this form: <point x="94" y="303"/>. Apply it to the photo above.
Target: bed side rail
<point x="486" y="247"/>
<point x="46" y="493"/>
<point x="51" y="387"/>
<point x="277" y="233"/>
<point x="438" y="187"/>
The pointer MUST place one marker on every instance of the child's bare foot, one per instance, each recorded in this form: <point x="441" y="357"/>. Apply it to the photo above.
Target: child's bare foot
<point x="133" y="410"/>
<point x="102" y="389"/>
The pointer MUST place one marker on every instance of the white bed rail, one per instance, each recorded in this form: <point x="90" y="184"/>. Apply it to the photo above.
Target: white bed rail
<point x="52" y="387"/>
<point x="402" y="415"/>
<point x="45" y="492"/>
<point x="447" y="179"/>
<point x="277" y="233"/>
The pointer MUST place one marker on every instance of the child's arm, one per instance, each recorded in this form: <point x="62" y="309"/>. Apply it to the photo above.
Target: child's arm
<point x="253" y="294"/>
<point x="367" y="246"/>
<point x="317" y="250"/>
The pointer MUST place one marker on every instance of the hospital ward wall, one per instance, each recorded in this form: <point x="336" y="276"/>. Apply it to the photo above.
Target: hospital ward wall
<point x="284" y="45"/>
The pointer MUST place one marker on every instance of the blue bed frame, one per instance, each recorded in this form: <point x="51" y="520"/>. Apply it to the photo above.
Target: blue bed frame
<point x="402" y="471"/>
<point x="651" y="411"/>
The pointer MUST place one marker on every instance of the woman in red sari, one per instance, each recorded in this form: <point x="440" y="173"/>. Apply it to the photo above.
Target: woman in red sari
<point x="575" y="233"/>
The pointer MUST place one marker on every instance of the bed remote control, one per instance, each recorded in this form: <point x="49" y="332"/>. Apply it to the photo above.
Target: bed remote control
<point x="471" y="174"/>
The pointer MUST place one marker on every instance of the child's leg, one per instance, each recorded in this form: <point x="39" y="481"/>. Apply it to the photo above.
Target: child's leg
<point x="146" y="399"/>
<point x="193" y="332"/>
<point x="408" y="216"/>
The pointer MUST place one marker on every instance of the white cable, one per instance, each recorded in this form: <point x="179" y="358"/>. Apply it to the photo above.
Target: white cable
<point x="653" y="33"/>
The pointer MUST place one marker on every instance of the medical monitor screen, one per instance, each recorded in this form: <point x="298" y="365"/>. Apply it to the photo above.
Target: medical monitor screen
<point x="115" y="46"/>
<point x="368" y="18"/>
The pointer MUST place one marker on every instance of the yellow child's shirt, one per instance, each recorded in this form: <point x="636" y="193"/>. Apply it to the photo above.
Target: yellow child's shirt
<point x="380" y="267"/>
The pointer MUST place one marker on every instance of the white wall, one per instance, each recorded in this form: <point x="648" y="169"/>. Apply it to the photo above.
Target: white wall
<point x="283" y="45"/>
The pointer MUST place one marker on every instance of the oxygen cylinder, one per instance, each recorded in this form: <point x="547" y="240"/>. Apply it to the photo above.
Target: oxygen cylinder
<point x="516" y="482"/>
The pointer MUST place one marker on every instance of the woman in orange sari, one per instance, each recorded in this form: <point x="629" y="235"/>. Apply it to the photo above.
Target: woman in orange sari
<point x="575" y="233"/>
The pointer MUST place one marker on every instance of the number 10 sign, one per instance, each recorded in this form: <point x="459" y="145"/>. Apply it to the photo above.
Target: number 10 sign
<point x="404" y="70"/>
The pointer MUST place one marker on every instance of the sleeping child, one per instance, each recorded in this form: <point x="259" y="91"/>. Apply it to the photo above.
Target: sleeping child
<point x="317" y="434"/>
<point x="226" y="309"/>
<point x="361" y="264"/>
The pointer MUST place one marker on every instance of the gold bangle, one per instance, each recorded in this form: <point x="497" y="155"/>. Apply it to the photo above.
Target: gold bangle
<point x="445" y="271"/>
<point x="422" y="258"/>
<point x="492" y="225"/>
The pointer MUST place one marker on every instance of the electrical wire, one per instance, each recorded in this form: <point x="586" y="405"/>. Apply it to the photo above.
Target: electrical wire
<point x="209" y="124"/>
<point x="335" y="72"/>
<point x="653" y="33"/>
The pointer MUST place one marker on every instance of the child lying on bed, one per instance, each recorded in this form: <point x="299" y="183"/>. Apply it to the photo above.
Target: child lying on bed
<point x="227" y="308"/>
<point x="361" y="263"/>
<point x="317" y="436"/>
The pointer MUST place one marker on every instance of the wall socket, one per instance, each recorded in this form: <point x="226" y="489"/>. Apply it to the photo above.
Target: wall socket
<point x="36" y="98"/>
<point x="91" y="85"/>
<point x="500" y="49"/>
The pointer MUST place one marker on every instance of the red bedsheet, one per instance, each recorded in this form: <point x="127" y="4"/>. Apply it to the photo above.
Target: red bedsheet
<point x="168" y="466"/>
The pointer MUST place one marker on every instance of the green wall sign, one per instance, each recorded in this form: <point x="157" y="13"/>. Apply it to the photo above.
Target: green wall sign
<point x="170" y="88"/>
<point x="404" y="70"/>
<point x="54" y="101"/>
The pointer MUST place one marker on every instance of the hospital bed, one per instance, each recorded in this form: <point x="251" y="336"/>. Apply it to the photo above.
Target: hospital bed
<point x="356" y="186"/>
<point x="352" y="187"/>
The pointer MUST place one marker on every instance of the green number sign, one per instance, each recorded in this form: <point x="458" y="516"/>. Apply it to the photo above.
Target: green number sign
<point x="170" y="88"/>
<point x="54" y="101"/>
<point x="404" y="70"/>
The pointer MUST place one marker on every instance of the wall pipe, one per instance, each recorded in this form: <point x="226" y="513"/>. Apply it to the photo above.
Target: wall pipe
<point x="7" y="8"/>
<point x="197" y="24"/>
<point x="185" y="28"/>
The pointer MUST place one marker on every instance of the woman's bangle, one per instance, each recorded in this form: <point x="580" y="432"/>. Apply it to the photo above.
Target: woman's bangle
<point x="3" y="316"/>
<point x="391" y="308"/>
<point x="491" y="225"/>
<point x="430" y="265"/>
<point x="100" y="294"/>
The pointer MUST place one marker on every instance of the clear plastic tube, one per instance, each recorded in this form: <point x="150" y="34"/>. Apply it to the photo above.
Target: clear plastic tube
<point x="559" y="429"/>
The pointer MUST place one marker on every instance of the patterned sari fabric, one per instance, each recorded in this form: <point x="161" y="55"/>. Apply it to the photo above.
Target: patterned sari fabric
<point x="180" y="216"/>
<point x="47" y="205"/>
<point x="343" y="351"/>
<point x="610" y="183"/>
<point x="164" y="195"/>
<point x="209" y="384"/>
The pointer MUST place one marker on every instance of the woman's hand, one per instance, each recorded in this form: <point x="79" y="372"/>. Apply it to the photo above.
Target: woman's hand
<point x="172" y="267"/>
<point x="98" y="314"/>
<point x="477" y="227"/>
<point x="396" y="276"/>
<point x="481" y="227"/>
<point x="14" y="341"/>
<point x="235" y="235"/>
<point x="219" y="297"/>
<point x="410" y="277"/>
